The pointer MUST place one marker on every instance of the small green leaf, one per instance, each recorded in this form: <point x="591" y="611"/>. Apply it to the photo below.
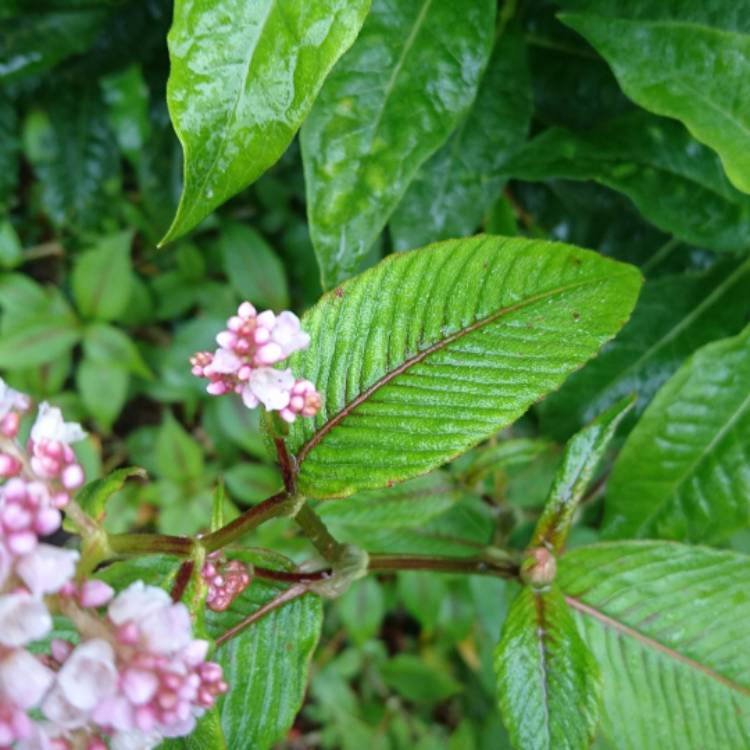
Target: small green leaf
<point x="10" y="146"/>
<point x="668" y="625"/>
<point x="243" y="77"/>
<point x="93" y="496"/>
<point x="105" y="344"/>
<point x="11" y="250"/>
<point x="251" y="483"/>
<point x="676" y="184"/>
<point x="178" y="456"/>
<point x="104" y="390"/>
<point x="683" y="472"/>
<point x="666" y="57"/>
<point x="418" y="681"/>
<point x="252" y="267"/>
<point x="126" y="96"/>
<point x="266" y="665"/>
<point x="674" y="316"/>
<point x="582" y="455"/>
<point x="362" y="609"/>
<point x="422" y="594"/>
<point x="548" y="681"/>
<point x="502" y="455"/>
<point x="433" y="351"/>
<point x="102" y="276"/>
<point x="456" y="185"/>
<point x="40" y="340"/>
<point x="391" y="101"/>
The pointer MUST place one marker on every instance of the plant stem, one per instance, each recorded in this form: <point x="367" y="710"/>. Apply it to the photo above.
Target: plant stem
<point x="662" y="252"/>
<point x="317" y="532"/>
<point x="141" y="544"/>
<point x="286" y="464"/>
<point x="286" y="596"/>
<point x="469" y="565"/>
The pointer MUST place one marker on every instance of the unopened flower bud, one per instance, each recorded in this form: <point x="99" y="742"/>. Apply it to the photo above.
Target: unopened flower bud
<point x="538" y="568"/>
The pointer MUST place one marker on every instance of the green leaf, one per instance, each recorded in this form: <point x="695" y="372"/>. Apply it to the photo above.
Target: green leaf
<point x="677" y="184"/>
<point x="433" y="351"/>
<point x="362" y="609"/>
<point x="93" y="496"/>
<point x="668" y="625"/>
<point x="674" y="316"/>
<point x="126" y="95"/>
<point x="688" y="60"/>
<point x="266" y="665"/>
<point x="582" y="455"/>
<point x="106" y="344"/>
<point x="243" y="77"/>
<point x="177" y="455"/>
<point x="418" y="681"/>
<point x="422" y="595"/>
<point x="683" y="472"/>
<point x="252" y="482"/>
<point x="207" y="735"/>
<point x="387" y="106"/>
<point x="9" y="148"/>
<point x="548" y="681"/>
<point x="102" y="277"/>
<point x="42" y="339"/>
<point x="11" y="250"/>
<point x="454" y="188"/>
<point x="75" y="159"/>
<point x="252" y="267"/>
<point x="474" y="466"/>
<point x="35" y="41"/>
<point x="104" y="390"/>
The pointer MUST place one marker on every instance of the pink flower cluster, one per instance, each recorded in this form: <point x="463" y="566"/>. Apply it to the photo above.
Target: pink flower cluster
<point x="136" y="674"/>
<point x="251" y="343"/>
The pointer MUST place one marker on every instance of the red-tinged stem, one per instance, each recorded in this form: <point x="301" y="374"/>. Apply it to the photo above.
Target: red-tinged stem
<point x="182" y="579"/>
<point x="286" y="464"/>
<point x="469" y="565"/>
<point x="286" y="596"/>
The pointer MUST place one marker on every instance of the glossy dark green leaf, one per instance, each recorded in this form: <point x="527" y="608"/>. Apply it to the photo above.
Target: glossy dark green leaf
<point x="433" y="351"/>
<point x="35" y="41"/>
<point x="74" y="156"/>
<point x="102" y="276"/>
<point x="93" y="496"/>
<point x="689" y="60"/>
<point x="243" y="77"/>
<point x="392" y="100"/>
<point x="668" y="625"/>
<point x="252" y="267"/>
<point x="676" y="183"/>
<point x="456" y="185"/>
<point x="683" y="472"/>
<point x="674" y="316"/>
<point x="266" y="665"/>
<point x="548" y="681"/>
<point x="582" y="455"/>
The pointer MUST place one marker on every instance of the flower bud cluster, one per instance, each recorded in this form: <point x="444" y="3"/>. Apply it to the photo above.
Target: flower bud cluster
<point x="251" y="343"/>
<point x="136" y="675"/>
<point x="225" y="581"/>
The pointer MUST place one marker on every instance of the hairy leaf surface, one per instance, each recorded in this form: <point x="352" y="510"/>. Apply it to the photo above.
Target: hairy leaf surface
<point x="689" y="60"/>
<point x="684" y="471"/>
<point x="548" y="681"/>
<point x="668" y="625"/>
<point x="392" y="100"/>
<point x="432" y="351"/>
<point x="243" y="77"/>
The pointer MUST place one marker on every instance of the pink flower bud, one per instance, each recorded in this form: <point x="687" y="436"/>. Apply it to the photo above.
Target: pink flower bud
<point x="72" y="476"/>
<point x="95" y="593"/>
<point x="9" y="465"/>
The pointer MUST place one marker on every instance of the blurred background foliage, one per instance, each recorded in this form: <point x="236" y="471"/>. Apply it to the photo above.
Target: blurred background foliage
<point x="98" y="320"/>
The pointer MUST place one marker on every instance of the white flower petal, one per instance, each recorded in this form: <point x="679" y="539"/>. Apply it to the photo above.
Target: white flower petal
<point x="23" y="619"/>
<point x="24" y="679"/>
<point x="225" y="361"/>
<point x="49" y="425"/>
<point x="167" y="629"/>
<point x="137" y="601"/>
<point x="47" y="569"/>
<point x="11" y="400"/>
<point x="88" y="674"/>
<point x="59" y="710"/>
<point x="271" y="387"/>
<point x="135" y="740"/>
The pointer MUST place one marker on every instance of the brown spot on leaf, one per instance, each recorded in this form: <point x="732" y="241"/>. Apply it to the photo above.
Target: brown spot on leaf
<point x="339" y="292"/>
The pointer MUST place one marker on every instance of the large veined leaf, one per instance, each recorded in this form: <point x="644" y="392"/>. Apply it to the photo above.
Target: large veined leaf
<point x="676" y="183"/>
<point x="674" y="316"/>
<point x="265" y="665"/>
<point x="683" y="472"/>
<point x="548" y="681"/>
<point x="432" y="351"/>
<point x="455" y="186"/>
<point x="243" y="77"/>
<point x="582" y="455"/>
<point x="689" y="60"/>
<point x="668" y="625"/>
<point x="392" y="100"/>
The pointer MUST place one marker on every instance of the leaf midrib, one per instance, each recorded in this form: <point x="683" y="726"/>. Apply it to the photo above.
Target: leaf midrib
<point x="435" y="347"/>
<point x="541" y="633"/>
<point x="651" y="643"/>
